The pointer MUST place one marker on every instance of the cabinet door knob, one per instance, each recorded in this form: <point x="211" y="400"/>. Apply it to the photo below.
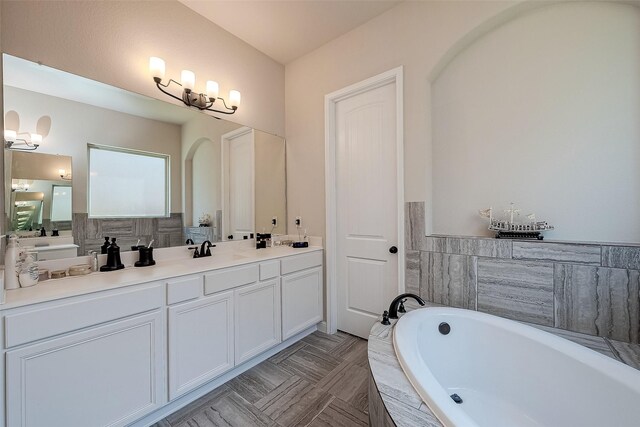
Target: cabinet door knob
<point x="393" y="250"/>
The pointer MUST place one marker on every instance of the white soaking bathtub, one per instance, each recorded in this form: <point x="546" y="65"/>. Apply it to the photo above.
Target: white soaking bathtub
<point x="511" y="375"/>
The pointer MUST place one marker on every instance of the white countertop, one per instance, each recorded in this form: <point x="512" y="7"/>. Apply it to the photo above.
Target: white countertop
<point x="54" y="289"/>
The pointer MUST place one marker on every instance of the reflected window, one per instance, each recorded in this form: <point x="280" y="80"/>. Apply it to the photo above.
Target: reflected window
<point x="127" y="183"/>
<point x="61" y="203"/>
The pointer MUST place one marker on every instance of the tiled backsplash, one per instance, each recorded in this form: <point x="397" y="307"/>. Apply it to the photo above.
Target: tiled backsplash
<point x="89" y="233"/>
<point x="583" y="287"/>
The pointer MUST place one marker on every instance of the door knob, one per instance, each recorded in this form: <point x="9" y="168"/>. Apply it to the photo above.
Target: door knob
<point x="393" y="250"/>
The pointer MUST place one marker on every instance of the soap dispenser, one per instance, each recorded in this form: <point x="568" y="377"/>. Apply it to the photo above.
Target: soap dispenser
<point x="113" y="258"/>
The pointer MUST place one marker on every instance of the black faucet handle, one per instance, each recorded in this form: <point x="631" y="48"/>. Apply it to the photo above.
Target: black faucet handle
<point x="385" y="318"/>
<point x="196" y="254"/>
<point x="401" y="308"/>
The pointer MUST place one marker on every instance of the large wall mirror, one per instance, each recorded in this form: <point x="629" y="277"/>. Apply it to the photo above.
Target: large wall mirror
<point x="119" y="164"/>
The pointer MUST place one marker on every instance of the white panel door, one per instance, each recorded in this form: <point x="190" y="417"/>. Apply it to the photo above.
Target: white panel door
<point x="105" y="376"/>
<point x="200" y="342"/>
<point x="240" y="185"/>
<point x="257" y="319"/>
<point x="367" y="207"/>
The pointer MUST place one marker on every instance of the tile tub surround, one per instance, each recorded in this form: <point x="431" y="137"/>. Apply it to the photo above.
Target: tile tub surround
<point x="319" y="381"/>
<point x="394" y="402"/>
<point x="89" y="233"/>
<point x="591" y="288"/>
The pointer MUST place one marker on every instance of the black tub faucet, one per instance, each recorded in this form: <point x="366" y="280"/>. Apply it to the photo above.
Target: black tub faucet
<point x="393" y="308"/>
<point x="189" y="242"/>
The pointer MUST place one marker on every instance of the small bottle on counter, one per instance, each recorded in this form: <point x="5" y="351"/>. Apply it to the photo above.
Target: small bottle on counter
<point x="10" y="264"/>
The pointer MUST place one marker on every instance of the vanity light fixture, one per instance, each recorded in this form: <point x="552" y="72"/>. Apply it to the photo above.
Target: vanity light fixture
<point x="12" y="142"/>
<point x="64" y="174"/>
<point x="190" y="98"/>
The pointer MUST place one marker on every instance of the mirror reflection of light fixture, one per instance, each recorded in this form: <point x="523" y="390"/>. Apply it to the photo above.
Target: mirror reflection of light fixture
<point x="12" y="142"/>
<point x="20" y="186"/>
<point x="64" y="174"/>
<point x="202" y="101"/>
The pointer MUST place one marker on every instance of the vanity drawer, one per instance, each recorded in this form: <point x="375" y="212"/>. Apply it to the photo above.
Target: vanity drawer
<point x="269" y="269"/>
<point x="301" y="262"/>
<point x="217" y="281"/>
<point x="184" y="289"/>
<point x="24" y="327"/>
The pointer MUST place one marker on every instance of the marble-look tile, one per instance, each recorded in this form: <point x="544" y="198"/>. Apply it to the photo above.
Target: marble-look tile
<point x="171" y="224"/>
<point x="378" y="415"/>
<point x="312" y="365"/>
<point x="626" y="352"/>
<point x="258" y="381"/>
<point x="621" y="257"/>
<point x="347" y="382"/>
<point x="405" y="415"/>
<point x="557" y="252"/>
<point x="598" y="301"/>
<point x="117" y="227"/>
<point x="516" y="290"/>
<point x="435" y="244"/>
<point x="197" y="406"/>
<point x="230" y="410"/>
<point x="326" y="342"/>
<point x="479" y="246"/>
<point x="353" y="350"/>
<point x="414" y="226"/>
<point x="448" y="279"/>
<point x="340" y="414"/>
<point x="294" y="402"/>
<point x="389" y="375"/>
<point x="162" y="423"/>
<point x="143" y="226"/>
<point x="598" y="344"/>
<point x="412" y="272"/>
<point x="279" y="357"/>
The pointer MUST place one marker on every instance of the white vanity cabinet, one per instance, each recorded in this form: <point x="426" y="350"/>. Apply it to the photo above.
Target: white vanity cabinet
<point x="257" y="319"/>
<point x="301" y="292"/>
<point x="132" y="354"/>
<point x="110" y="374"/>
<point x="200" y="341"/>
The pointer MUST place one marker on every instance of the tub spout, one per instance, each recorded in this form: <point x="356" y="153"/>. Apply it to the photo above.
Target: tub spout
<point x="393" y="308"/>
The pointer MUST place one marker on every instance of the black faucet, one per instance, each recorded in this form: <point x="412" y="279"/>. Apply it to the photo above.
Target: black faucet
<point x="189" y="242"/>
<point x="205" y="248"/>
<point x="398" y="301"/>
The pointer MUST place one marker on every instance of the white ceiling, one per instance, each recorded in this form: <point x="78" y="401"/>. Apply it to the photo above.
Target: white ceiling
<point x="287" y="30"/>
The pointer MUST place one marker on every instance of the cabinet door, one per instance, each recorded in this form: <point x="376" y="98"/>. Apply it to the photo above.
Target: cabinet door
<point x="301" y="301"/>
<point x="106" y="376"/>
<point x="200" y="342"/>
<point x="257" y="319"/>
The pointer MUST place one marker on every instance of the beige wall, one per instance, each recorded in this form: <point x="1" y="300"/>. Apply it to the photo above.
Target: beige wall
<point x="111" y="42"/>
<point x="543" y="112"/>
<point x="74" y="125"/>
<point x="415" y="35"/>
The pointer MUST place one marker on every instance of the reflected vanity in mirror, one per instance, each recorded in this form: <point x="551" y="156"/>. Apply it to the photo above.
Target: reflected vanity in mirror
<point x="222" y="180"/>
<point x="40" y="191"/>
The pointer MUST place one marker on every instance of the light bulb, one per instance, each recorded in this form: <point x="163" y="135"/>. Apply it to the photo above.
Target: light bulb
<point x="188" y="79"/>
<point x="212" y="89"/>
<point x="234" y="98"/>
<point x="10" y="135"/>
<point x="36" y="138"/>
<point x="156" y="67"/>
<point x="61" y="172"/>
